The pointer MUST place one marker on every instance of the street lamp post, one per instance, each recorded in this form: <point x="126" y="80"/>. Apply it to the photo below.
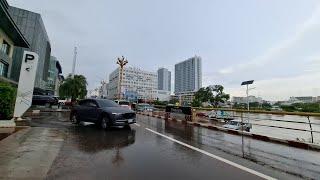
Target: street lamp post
<point x="121" y="62"/>
<point x="247" y="83"/>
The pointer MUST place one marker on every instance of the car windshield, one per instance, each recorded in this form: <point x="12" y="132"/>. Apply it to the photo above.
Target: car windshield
<point x="233" y="123"/>
<point x="107" y="103"/>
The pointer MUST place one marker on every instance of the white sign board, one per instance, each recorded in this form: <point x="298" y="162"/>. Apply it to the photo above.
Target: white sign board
<point x="26" y="83"/>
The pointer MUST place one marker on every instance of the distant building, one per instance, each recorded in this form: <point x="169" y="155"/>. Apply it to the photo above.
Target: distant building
<point x="32" y="27"/>
<point x="104" y="89"/>
<point x="188" y="76"/>
<point x="184" y="99"/>
<point x="302" y="99"/>
<point x="243" y="100"/>
<point x="10" y="37"/>
<point x="163" y="95"/>
<point x="164" y="79"/>
<point x="137" y="84"/>
<point x="54" y="77"/>
<point x="316" y="99"/>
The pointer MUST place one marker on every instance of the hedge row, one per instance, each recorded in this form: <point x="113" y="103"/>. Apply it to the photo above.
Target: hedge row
<point x="7" y="100"/>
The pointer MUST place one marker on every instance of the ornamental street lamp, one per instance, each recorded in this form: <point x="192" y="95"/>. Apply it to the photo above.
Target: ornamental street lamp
<point x="121" y="62"/>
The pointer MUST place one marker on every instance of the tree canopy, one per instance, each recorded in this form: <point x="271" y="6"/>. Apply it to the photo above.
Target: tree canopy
<point x="212" y="94"/>
<point x="74" y="88"/>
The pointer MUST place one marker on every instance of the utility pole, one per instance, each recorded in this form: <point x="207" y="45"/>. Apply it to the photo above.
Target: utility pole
<point x="74" y="62"/>
<point x="121" y="62"/>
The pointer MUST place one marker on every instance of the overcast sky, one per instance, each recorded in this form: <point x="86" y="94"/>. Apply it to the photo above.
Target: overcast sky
<point x="274" y="42"/>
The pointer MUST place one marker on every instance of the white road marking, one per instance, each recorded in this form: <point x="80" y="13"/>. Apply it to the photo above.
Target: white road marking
<point x="214" y="156"/>
<point x="137" y="124"/>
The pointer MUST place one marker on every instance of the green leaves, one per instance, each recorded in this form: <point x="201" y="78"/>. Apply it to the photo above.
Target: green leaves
<point x="7" y="100"/>
<point x="212" y="94"/>
<point x="74" y="88"/>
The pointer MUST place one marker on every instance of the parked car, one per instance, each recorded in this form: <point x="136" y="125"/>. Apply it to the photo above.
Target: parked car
<point x="144" y="107"/>
<point x="44" y="100"/>
<point x="124" y="103"/>
<point x="238" y="125"/>
<point x="103" y="112"/>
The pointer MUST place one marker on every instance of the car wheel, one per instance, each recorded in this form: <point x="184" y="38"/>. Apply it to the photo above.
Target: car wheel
<point x="74" y="119"/>
<point x="104" y="123"/>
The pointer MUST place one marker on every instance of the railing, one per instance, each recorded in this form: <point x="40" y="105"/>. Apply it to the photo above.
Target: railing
<point x="284" y="125"/>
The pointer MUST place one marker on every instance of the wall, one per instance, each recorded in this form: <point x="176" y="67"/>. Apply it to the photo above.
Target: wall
<point x="32" y="27"/>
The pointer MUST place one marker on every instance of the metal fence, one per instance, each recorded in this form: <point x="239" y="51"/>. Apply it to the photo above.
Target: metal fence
<point x="304" y="127"/>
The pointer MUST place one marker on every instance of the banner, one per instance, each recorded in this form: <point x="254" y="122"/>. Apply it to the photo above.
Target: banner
<point x="26" y="83"/>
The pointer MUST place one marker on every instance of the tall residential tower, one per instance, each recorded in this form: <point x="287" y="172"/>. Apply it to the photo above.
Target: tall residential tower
<point x="188" y="75"/>
<point x="164" y="79"/>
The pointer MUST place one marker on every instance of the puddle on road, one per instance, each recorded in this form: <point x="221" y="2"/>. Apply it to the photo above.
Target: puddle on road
<point x="5" y="132"/>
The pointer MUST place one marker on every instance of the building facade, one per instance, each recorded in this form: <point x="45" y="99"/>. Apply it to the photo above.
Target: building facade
<point x="54" y="76"/>
<point x="188" y="76"/>
<point x="243" y="100"/>
<point x="136" y="85"/>
<point x="302" y="99"/>
<point x="164" y="79"/>
<point x="32" y="27"/>
<point x="10" y="37"/>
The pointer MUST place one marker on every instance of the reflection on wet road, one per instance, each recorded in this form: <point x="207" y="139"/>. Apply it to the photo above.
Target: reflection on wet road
<point x="175" y="153"/>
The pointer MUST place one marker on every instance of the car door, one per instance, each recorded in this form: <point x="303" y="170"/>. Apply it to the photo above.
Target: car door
<point x="35" y="100"/>
<point x="92" y="110"/>
<point x="82" y="110"/>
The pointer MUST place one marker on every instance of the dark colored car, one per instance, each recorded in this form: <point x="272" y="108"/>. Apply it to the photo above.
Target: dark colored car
<point x="103" y="112"/>
<point x="44" y="100"/>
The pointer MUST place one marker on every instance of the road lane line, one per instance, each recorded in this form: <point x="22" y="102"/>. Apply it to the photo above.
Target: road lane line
<point x="137" y="124"/>
<point x="214" y="156"/>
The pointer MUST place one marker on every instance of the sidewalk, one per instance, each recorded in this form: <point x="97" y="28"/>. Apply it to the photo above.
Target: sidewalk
<point x="29" y="153"/>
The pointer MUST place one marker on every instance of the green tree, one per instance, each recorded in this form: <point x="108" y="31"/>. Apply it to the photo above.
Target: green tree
<point x="160" y="103"/>
<point x="173" y="101"/>
<point x="212" y="94"/>
<point x="74" y="88"/>
<point x="218" y="96"/>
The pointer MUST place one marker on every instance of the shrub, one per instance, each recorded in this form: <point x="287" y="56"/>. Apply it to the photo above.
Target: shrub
<point x="7" y="100"/>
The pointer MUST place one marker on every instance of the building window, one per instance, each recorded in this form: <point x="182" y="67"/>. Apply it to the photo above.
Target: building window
<point x="5" y="47"/>
<point x="4" y="69"/>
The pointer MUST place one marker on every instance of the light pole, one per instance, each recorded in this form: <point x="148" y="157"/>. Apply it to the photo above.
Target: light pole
<point x="121" y="62"/>
<point x="247" y="83"/>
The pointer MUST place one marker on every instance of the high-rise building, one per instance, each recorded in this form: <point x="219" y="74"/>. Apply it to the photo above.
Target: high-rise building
<point x="10" y="37"/>
<point x="32" y="27"/>
<point x="164" y="79"/>
<point x="136" y="84"/>
<point x="55" y="71"/>
<point x="188" y="76"/>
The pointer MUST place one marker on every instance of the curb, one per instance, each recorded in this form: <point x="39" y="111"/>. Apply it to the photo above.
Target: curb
<point x="7" y="124"/>
<point x="291" y="143"/>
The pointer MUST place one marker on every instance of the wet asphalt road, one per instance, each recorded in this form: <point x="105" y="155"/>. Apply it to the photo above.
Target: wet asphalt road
<point x="138" y="153"/>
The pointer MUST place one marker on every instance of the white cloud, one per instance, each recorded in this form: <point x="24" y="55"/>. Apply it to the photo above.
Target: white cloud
<point x="278" y="51"/>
